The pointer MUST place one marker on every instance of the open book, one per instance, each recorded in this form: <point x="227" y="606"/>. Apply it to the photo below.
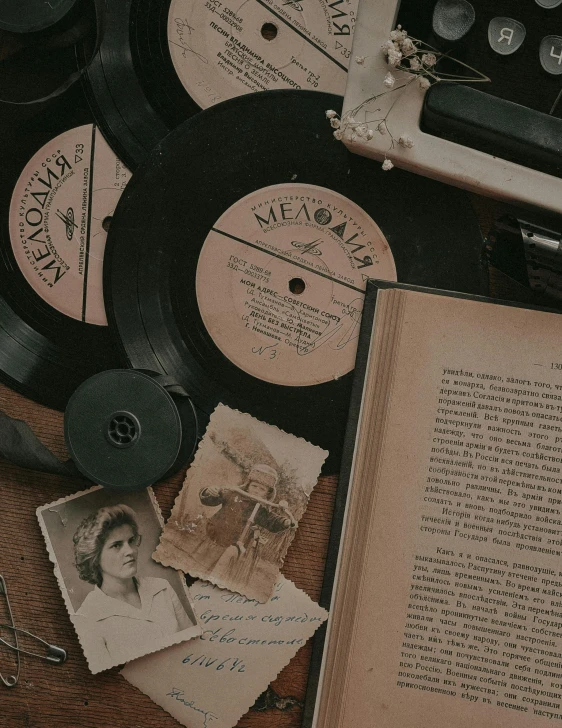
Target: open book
<point x="447" y="601"/>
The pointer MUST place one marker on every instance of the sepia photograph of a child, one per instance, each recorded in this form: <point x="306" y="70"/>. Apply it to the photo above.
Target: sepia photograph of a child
<point x="241" y="503"/>
<point x="122" y="603"/>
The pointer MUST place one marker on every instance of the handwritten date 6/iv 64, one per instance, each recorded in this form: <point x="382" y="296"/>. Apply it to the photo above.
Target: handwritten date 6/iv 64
<point x="231" y="664"/>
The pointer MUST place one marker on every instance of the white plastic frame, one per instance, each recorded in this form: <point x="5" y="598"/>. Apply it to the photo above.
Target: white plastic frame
<point x="430" y="156"/>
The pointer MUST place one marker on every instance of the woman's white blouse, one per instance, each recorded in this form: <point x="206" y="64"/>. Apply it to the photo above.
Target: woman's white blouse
<point x="113" y="632"/>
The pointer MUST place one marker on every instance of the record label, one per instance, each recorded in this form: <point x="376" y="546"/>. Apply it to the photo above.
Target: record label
<point x="60" y="211"/>
<point x="221" y="49"/>
<point x="280" y="282"/>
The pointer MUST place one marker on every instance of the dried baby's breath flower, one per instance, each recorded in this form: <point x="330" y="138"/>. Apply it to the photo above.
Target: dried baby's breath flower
<point x="411" y="61"/>
<point x="387" y="46"/>
<point x="406" y="141"/>
<point x="398" y="34"/>
<point x="394" y="57"/>
<point x="407" y="46"/>
<point x="389" y="80"/>
<point x="415" y="64"/>
<point x="429" y="59"/>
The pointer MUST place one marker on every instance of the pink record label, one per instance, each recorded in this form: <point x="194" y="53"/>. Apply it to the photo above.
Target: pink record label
<point x="60" y="211"/>
<point x="225" y="48"/>
<point x="281" y="278"/>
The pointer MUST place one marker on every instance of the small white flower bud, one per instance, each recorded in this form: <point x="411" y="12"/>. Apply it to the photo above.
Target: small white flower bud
<point x="407" y="46"/>
<point x="389" y="80"/>
<point x="361" y="130"/>
<point x="330" y="114"/>
<point x="338" y="134"/>
<point x="415" y="64"/>
<point x="335" y="123"/>
<point x="387" y="165"/>
<point x="406" y="141"/>
<point x="398" y="34"/>
<point x="369" y="135"/>
<point x="394" y="58"/>
<point x="381" y="128"/>
<point x="360" y="60"/>
<point x="429" y="59"/>
<point x="387" y="46"/>
<point x="423" y="83"/>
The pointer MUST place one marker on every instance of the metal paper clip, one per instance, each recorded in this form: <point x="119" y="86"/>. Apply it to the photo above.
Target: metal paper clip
<point x="55" y="655"/>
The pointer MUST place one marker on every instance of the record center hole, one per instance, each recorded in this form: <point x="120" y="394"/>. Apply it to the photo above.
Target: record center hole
<point x="297" y="285"/>
<point x="106" y="223"/>
<point x="269" y="31"/>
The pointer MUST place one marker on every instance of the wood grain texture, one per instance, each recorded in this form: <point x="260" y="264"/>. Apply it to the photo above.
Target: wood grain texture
<point x="69" y="696"/>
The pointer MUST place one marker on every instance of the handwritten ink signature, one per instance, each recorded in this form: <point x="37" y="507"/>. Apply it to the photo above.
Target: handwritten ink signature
<point x="178" y="695"/>
<point x="347" y="328"/>
<point x="183" y="29"/>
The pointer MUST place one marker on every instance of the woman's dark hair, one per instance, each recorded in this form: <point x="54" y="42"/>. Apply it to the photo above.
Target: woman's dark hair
<point x="91" y="535"/>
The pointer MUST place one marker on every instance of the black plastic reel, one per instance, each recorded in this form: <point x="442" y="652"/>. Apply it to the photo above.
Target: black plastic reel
<point x="128" y="429"/>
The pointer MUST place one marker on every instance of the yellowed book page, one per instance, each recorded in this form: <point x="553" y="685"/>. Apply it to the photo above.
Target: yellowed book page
<point x="460" y="615"/>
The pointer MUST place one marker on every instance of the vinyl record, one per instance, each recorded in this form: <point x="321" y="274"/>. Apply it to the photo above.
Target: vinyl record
<point x="237" y="258"/>
<point x="161" y="61"/>
<point x="38" y="50"/>
<point x="59" y="189"/>
<point x="34" y="15"/>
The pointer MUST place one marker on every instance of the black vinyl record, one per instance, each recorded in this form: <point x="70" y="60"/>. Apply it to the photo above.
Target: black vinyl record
<point x="33" y="16"/>
<point x="238" y="255"/>
<point x="53" y="328"/>
<point x="39" y="42"/>
<point x="134" y="101"/>
<point x="161" y="61"/>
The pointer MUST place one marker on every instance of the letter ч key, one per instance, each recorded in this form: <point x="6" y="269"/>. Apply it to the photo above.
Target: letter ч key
<point x="550" y="54"/>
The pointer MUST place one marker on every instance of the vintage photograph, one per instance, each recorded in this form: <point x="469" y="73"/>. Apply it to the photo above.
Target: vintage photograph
<point x="122" y="603"/>
<point x="241" y="503"/>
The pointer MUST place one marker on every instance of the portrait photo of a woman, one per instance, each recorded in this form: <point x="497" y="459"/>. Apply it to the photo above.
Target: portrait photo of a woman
<point x="123" y="610"/>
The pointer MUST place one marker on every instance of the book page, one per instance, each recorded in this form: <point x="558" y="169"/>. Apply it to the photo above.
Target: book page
<point x="459" y="620"/>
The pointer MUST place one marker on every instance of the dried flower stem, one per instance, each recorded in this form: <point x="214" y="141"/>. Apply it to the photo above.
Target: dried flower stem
<point x="404" y="55"/>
